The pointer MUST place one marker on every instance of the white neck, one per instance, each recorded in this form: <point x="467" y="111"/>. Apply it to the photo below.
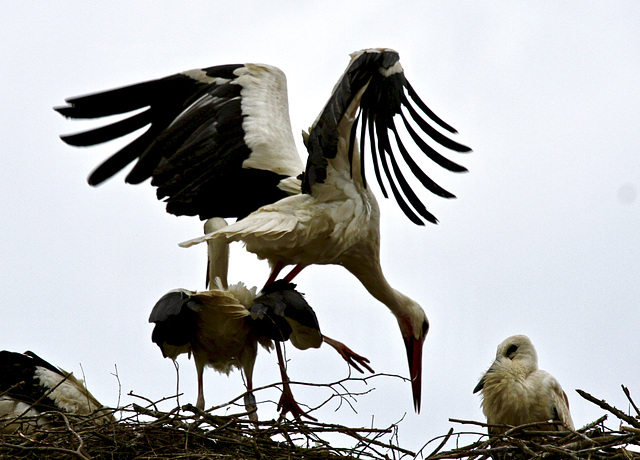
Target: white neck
<point x="218" y="254"/>
<point x="408" y="313"/>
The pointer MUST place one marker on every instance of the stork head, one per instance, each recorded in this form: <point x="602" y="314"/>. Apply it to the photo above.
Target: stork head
<point x="515" y="354"/>
<point x="414" y="326"/>
<point x="518" y="350"/>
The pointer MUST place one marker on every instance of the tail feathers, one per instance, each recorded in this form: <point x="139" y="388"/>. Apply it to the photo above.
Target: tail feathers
<point x="264" y="226"/>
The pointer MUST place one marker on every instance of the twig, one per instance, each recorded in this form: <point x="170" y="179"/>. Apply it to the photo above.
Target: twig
<point x="618" y="413"/>
<point x="628" y="395"/>
<point x="441" y="445"/>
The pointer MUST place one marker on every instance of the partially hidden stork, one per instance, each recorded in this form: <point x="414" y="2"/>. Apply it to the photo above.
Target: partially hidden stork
<point x="515" y="391"/>
<point x="220" y="144"/>
<point x="31" y="387"/>
<point x="223" y="326"/>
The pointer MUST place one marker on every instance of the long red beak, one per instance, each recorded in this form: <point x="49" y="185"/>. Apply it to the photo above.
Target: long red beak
<point x="414" y="355"/>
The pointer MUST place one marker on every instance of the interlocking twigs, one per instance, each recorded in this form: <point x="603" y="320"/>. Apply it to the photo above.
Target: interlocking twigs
<point x="145" y="431"/>
<point x="618" y="413"/>
<point x="185" y="432"/>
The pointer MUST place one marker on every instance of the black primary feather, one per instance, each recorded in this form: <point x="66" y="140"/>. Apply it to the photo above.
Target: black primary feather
<point x="384" y="97"/>
<point x="193" y="148"/>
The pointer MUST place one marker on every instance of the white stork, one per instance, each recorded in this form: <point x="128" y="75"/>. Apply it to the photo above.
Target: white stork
<point x="515" y="391"/>
<point x="223" y="325"/>
<point x="220" y="144"/>
<point x="30" y="386"/>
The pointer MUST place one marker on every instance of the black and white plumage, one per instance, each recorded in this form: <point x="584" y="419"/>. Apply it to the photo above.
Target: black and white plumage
<point x="30" y="386"/>
<point x="515" y="391"/>
<point x="223" y="326"/>
<point x="220" y="144"/>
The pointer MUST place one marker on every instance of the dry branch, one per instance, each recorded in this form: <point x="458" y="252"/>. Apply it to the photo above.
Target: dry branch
<point x="185" y="432"/>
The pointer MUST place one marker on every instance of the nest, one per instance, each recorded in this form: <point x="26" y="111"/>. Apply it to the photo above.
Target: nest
<point x="144" y="432"/>
<point x="189" y="433"/>
<point x="186" y="432"/>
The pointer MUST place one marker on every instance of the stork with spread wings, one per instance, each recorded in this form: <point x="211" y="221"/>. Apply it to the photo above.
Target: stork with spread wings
<point x="219" y="144"/>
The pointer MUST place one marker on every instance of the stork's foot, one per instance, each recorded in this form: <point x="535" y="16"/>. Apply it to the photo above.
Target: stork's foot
<point x="288" y="404"/>
<point x="351" y="357"/>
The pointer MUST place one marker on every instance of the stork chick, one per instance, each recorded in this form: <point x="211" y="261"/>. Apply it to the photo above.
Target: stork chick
<point x="515" y="391"/>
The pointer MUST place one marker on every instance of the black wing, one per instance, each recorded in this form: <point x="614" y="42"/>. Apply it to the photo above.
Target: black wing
<point x="199" y="150"/>
<point x="281" y="313"/>
<point x="175" y="318"/>
<point x="18" y="379"/>
<point x="376" y="78"/>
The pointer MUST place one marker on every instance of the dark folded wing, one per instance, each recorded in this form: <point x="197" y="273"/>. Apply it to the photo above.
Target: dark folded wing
<point x="175" y="319"/>
<point x="371" y="92"/>
<point x="18" y="379"/>
<point x="281" y="313"/>
<point x="218" y="142"/>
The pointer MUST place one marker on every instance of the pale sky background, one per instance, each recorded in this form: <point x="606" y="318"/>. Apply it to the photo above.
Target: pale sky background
<point x="543" y="239"/>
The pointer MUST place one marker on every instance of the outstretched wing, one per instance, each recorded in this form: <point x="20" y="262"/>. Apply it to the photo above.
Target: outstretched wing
<point x="371" y="92"/>
<point x="219" y="141"/>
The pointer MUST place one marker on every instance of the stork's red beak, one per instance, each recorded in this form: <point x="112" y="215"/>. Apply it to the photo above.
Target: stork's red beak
<point x="414" y="355"/>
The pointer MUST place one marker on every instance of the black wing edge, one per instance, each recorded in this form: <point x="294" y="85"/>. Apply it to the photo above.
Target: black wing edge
<point x="164" y="98"/>
<point x="28" y="359"/>
<point x="387" y="94"/>
<point x="175" y="318"/>
<point x="17" y="379"/>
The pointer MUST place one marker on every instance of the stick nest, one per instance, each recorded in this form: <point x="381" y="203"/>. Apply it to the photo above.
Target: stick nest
<point x="144" y="432"/>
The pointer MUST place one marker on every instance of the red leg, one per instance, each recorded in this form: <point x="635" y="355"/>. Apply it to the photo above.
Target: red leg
<point x="350" y="356"/>
<point x="287" y="403"/>
<point x="293" y="273"/>
<point x="277" y="268"/>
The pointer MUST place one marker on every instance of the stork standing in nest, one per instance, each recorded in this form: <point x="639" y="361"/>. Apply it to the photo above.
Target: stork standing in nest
<point x="223" y="326"/>
<point x="220" y="144"/>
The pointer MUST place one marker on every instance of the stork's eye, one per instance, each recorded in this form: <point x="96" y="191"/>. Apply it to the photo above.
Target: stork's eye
<point x="512" y="351"/>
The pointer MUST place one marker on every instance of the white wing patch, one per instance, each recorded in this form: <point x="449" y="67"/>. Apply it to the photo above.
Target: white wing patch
<point x="70" y="395"/>
<point x="394" y="69"/>
<point x="201" y="76"/>
<point x="266" y="122"/>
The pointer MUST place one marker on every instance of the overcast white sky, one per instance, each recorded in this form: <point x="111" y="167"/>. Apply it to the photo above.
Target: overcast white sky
<point x="543" y="239"/>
